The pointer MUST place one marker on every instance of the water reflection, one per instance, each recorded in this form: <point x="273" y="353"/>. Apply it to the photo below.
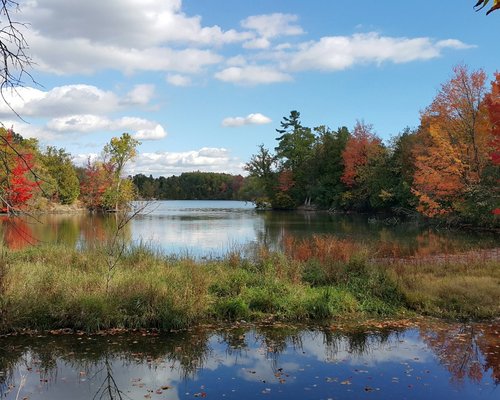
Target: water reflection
<point x="240" y="362"/>
<point x="205" y="228"/>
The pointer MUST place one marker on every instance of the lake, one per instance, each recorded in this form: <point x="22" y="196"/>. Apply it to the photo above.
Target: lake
<point x="213" y="228"/>
<point x="405" y="360"/>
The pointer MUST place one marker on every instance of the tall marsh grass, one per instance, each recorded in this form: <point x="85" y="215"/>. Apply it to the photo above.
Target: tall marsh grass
<point x="50" y="287"/>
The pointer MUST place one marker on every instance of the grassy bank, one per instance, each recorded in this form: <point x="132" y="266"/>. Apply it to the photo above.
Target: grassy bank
<point x="55" y="287"/>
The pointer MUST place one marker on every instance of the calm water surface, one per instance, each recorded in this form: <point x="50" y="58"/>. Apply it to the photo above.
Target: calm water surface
<point x="212" y="228"/>
<point x="423" y="361"/>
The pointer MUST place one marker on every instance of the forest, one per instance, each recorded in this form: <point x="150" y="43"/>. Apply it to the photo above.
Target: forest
<point x="446" y="169"/>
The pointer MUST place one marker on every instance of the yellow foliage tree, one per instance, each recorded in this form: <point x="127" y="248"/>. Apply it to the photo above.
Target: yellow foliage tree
<point x="454" y="143"/>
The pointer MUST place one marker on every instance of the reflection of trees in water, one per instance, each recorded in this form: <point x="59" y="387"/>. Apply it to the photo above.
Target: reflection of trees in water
<point x="275" y="341"/>
<point x="405" y="239"/>
<point x="109" y="388"/>
<point x="466" y="351"/>
<point x="71" y="230"/>
<point x="17" y="233"/>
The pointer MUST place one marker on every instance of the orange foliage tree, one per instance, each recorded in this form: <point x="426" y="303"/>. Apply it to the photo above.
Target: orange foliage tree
<point x="454" y="144"/>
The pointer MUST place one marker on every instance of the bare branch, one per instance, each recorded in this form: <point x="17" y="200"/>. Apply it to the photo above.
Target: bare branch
<point x="15" y="61"/>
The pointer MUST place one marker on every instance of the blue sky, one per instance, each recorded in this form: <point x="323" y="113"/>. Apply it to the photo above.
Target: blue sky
<point x="203" y="83"/>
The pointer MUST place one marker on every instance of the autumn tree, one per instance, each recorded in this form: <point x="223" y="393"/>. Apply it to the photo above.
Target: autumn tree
<point x="96" y="180"/>
<point x="362" y="156"/>
<point x="454" y="148"/>
<point x="493" y="106"/>
<point x="17" y="182"/>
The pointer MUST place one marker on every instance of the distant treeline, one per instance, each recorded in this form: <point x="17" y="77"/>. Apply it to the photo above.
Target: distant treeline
<point x="190" y="186"/>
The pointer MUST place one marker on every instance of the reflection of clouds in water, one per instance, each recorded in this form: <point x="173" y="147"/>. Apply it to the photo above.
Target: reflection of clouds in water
<point x="134" y="380"/>
<point x="198" y="236"/>
<point x="241" y="361"/>
<point x="396" y="349"/>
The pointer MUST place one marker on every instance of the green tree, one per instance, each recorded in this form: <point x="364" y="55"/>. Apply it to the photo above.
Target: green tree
<point x="294" y="151"/>
<point x="326" y="166"/>
<point x="262" y="166"/>
<point x="59" y="166"/>
<point x="117" y="153"/>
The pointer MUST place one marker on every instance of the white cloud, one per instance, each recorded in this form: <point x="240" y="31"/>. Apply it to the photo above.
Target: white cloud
<point x="140" y="95"/>
<point x="174" y="163"/>
<point x="273" y="25"/>
<point x="453" y="44"/>
<point x="142" y="129"/>
<point x="61" y="100"/>
<point x="81" y="108"/>
<point x="124" y="35"/>
<point x="259" y="43"/>
<point x="252" y="75"/>
<point x="178" y="80"/>
<point x="123" y="23"/>
<point x="77" y="56"/>
<point x="236" y="61"/>
<point x="251" y="119"/>
<point x="155" y="133"/>
<point x="335" y="53"/>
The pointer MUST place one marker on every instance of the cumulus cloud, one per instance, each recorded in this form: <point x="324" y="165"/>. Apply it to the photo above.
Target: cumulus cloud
<point x="251" y="119"/>
<point x="77" y="56"/>
<point x="62" y="103"/>
<point x="61" y="100"/>
<point x="142" y="129"/>
<point x="125" y="35"/>
<point x="178" y="80"/>
<point x="334" y="53"/>
<point x="124" y="23"/>
<point x="252" y="75"/>
<point x="174" y="163"/>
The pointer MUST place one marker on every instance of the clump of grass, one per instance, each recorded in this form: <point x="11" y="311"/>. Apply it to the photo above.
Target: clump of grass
<point x="457" y="291"/>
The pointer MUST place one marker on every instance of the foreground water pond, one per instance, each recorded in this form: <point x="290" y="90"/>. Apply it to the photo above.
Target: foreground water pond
<point x="402" y="360"/>
<point x="212" y="228"/>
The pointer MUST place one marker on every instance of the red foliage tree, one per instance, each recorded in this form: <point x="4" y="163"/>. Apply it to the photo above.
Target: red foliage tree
<point x="98" y="177"/>
<point x="285" y="180"/>
<point x="17" y="186"/>
<point x="21" y="188"/>
<point x="361" y="147"/>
